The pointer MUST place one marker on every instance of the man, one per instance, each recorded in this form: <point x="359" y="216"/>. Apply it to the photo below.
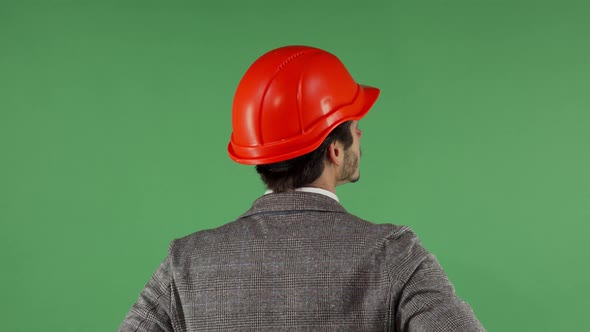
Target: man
<point x="297" y="260"/>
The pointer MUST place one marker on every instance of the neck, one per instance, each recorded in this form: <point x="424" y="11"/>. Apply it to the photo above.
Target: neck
<point x="323" y="183"/>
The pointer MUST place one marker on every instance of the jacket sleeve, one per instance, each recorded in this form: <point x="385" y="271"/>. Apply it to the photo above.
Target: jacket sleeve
<point x="152" y="311"/>
<point x="428" y="303"/>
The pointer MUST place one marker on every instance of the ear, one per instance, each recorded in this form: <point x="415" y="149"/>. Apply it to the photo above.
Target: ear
<point x="335" y="153"/>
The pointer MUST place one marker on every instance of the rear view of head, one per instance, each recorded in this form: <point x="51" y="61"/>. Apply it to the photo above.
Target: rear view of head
<point x="303" y="170"/>
<point x="294" y="112"/>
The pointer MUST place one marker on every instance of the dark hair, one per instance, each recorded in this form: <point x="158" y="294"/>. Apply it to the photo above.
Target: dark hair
<point x="303" y="170"/>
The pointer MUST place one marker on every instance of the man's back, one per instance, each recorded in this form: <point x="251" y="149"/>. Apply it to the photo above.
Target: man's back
<point x="299" y="261"/>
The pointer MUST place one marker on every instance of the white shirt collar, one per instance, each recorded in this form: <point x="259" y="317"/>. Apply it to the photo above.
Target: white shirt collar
<point x="314" y="190"/>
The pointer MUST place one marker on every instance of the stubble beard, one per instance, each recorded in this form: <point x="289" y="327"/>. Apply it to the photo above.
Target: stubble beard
<point x="351" y="165"/>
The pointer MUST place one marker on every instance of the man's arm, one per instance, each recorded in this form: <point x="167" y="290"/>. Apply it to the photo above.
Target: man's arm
<point x="428" y="303"/>
<point x="151" y="312"/>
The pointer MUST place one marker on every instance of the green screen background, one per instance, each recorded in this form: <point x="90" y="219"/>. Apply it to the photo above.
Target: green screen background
<point x="115" y="117"/>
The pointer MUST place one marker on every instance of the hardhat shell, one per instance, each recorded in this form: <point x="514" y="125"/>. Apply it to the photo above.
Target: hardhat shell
<point x="289" y="100"/>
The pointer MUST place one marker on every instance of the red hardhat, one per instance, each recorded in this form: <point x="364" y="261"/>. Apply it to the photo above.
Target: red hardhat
<point x="288" y="102"/>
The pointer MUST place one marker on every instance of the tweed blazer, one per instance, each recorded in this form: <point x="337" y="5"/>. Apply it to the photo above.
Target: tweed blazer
<point x="298" y="261"/>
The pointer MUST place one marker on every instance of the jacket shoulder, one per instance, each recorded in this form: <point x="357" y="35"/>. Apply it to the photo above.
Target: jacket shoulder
<point x="201" y="238"/>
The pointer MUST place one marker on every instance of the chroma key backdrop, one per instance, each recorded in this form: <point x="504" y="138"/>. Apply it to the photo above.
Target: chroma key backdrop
<point x="115" y="118"/>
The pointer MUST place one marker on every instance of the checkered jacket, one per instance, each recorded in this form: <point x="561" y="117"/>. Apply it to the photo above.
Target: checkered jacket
<point x="298" y="261"/>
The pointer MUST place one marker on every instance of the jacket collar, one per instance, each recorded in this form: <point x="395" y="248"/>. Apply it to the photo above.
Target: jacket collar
<point x="294" y="201"/>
